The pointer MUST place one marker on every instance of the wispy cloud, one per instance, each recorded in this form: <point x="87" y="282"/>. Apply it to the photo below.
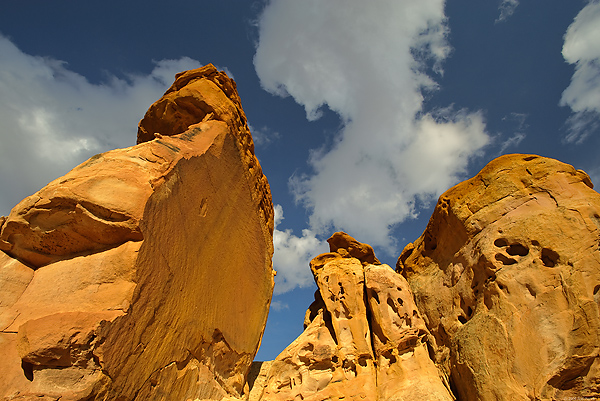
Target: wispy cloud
<point x="507" y="8"/>
<point x="582" y="48"/>
<point x="518" y="121"/>
<point x="263" y="136"/>
<point x="53" y="118"/>
<point x="279" y="306"/>
<point x="370" y="62"/>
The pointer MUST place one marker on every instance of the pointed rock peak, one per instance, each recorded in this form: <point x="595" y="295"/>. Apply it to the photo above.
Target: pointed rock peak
<point x="210" y="72"/>
<point x="196" y="95"/>
<point x="347" y="246"/>
<point x="206" y="95"/>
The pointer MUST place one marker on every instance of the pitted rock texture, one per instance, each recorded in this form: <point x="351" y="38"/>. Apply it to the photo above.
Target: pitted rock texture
<point x="363" y="339"/>
<point x="116" y="280"/>
<point x="507" y="278"/>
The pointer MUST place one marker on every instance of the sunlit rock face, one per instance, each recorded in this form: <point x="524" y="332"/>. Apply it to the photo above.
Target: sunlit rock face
<point x="144" y="273"/>
<point x="363" y="339"/>
<point x="497" y="300"/>
<point x="507" y="279"/>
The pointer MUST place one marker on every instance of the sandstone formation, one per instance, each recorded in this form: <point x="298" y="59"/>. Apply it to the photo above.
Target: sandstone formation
<point x="145" y="274"/>
<point x="507" y="279"/>
<point x="116" y="280"/>
<point x="363" y="340"/>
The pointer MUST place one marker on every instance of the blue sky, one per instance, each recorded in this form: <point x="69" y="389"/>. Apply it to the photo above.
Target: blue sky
<point x="363" y="113"/>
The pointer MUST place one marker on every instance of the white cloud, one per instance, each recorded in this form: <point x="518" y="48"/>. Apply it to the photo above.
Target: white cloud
<point x="582" y="48"/>
<point x="507" y="8"/>
<point x="292" y="255"/>
<point x="53" y="118"/>
<point x="369" y="62"/>
<point x="331" y="52"/>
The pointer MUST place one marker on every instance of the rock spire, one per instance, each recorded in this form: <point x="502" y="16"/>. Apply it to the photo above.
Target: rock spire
<point x="364" y="338"/>
<point x="117" y="279"/>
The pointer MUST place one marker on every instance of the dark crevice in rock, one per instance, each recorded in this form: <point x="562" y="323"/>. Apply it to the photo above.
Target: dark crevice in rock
<point x="517" y="249"/>
<point x="27" y="370"/>
<point x="549" y="257"/>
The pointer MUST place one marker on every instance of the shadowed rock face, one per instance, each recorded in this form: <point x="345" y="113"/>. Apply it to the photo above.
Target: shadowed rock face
<point x="506" y="276"/>
<point x="363" y="340"/>
<point x="116" y="280"/>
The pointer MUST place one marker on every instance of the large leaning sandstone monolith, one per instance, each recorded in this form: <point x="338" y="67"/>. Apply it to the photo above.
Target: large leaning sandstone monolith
<point x="507" y="278"/>
<point x="144" y="273"/>
<point x="363" y="339"/>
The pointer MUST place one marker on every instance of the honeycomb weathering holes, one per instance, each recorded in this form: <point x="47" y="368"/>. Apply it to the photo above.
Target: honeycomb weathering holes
<point x="517" y="249"/>
<point x="505" y="260"/>
<point x="549" y="257"/>
<point x="501" y="242"/>
<point x="514" y="249"/>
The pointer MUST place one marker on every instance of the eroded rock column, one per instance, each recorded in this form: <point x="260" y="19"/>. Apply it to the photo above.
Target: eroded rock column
<point x="363" y="337"/>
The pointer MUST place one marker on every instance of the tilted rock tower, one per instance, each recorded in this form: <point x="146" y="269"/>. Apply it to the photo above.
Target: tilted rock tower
<point x="144" y="273"/>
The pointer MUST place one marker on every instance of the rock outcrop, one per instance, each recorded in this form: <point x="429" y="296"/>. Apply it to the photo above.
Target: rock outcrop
<point x="507" y="279"/>
<point x="506" y="284"/>
<point x="363" y="340"/>
<point x="116" y="280"/>
<point x="145" y="274"/>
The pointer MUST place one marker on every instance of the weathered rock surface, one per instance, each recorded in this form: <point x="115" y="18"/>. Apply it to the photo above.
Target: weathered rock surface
<point x="363" y="337"/>
<point x="507" y="278"/>
<point x="116" y="280"/>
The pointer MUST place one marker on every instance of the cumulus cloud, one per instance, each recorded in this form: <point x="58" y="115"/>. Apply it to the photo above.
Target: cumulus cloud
<point x="292" y="255"/>
<point x="371" y="63"/>
<point x="507" y="8"/>
<point x="582" y="48"/>
<point x="53" y="118"/>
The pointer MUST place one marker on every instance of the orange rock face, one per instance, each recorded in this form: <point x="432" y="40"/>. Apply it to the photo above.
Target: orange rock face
<point x="363" y="340"/>
<point x="116" y="279"/>
<point x="507" y="278"/>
